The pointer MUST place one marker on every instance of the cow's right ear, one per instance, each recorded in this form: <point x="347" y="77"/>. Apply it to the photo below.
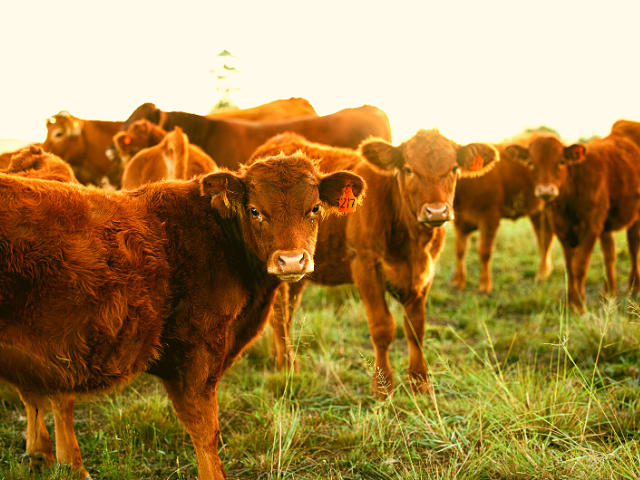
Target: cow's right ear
<point x="332" y="188"/>
<point x="518" y="154"/>
<point x="224" y="185"/>
<point x="381" y="154"/>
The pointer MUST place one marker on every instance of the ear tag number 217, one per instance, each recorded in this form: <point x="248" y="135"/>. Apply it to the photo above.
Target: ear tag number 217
<point x="347" y="202"/>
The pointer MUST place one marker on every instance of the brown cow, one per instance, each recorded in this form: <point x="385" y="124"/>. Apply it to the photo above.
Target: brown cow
<point x="83" y="144"/>
<point x="33" y="162"/>
<point x="175" y="278"/>
<point x="591" y="191"/>
<point x="268" y="112"/>
<point x="231" y="142"/>
<point x="390" y="244"/>
<point x="507" y="191"/>
<point x="629" y="129"/>
<point x="140" y="134"/>
<point x="172" y="159"/>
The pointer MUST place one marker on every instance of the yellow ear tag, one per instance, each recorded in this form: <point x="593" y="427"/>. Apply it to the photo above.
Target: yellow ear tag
<point x="477" y="163"/>
<point x="347" y="202"/>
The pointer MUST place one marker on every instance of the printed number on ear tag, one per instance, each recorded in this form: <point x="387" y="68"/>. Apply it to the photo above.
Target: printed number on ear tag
<point x="347" y="202"/>
<point x="477" y="163"/>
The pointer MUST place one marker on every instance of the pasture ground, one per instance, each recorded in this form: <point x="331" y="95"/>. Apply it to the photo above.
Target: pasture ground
<point x="523" y="390"/>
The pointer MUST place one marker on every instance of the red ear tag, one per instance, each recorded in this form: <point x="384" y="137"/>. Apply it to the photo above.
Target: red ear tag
<point x="126" y="140"/>
<point x="477" y="163"/>
<point x="580" y="152"/>
<point x="347" y="202"/>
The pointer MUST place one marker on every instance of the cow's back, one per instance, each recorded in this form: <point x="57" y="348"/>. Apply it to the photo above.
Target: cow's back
<point x="63" y="245"/>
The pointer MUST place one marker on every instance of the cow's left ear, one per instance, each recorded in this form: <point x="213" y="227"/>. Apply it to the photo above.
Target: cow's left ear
<point x="575" y="154"/>
<point x="332" y="188"/>
<point x="475" y="159"/>
<point x="226" y="186"/>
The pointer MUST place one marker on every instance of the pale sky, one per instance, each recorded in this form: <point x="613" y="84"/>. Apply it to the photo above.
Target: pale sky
<point x="477" y="70"/>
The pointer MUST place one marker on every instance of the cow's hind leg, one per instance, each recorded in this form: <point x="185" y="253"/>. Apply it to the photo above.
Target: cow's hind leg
<point x="633" y="240"/>
<point x="39" y="448"/>
<point x="608" y="245"/>
<point x="67" y="449"/>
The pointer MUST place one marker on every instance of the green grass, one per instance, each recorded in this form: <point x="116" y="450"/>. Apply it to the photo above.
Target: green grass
<point x="523" y="390"/>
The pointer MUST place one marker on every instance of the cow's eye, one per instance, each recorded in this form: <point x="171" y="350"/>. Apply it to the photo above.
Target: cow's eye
<point x="454" y="169"/>
<point x="408" y="170"/>
<point x="315" y="209"/>
<point x="58" y="134"/>
<point x="255" y="213"/>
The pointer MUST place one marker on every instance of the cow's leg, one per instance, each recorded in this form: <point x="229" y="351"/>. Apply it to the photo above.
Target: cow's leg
<point x="579" y="268"/>
<point x="287" y="301"/>
<point x="368" y="277"/>
<point x="608" y="245"/>
<point x="196" y="404"/>
<point x="413" y="323"/>
<point x="67" y="449"/>
<point x="633" y="240"/>
<point x="460" y="274"/>
<point x="39" y="446"/>
<point x="544" y="235"/>
<point x="573" y="298"/>
<point x="488" y="229"/>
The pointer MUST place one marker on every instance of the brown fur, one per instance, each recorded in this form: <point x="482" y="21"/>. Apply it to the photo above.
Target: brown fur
<point x="172" y="159"/>
<point x="175" y="279"/>
<point x="140" y="134"/>
<point x="231" y="142"/>
<point x="33" y="162"/>
<point x="595" y="195"/>
<point x="387" y="245"/>
<point x="628" y="129"/>
<point x="504" y="192"/>
<point x="82" y="143"/>
<point x="268" y="112"/>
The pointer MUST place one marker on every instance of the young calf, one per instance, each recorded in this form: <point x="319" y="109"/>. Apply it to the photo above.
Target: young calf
<point x="174" y="158"/>
<point x="175" y="278"/>
<point x="591" y="191"/>
<point x="392" y="242"/>
<point x="507" y="191"/>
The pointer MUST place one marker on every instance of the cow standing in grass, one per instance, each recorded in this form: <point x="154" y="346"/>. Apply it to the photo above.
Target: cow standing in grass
<point x="175" y="278"/>
<point x="392" y="243"/>
<point x="591" y="191"/>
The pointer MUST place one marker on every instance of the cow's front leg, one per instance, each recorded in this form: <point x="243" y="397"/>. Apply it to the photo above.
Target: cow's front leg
<point x="414" y="330"/>
<point x="67" y="449"/>
<point x="39" y="448"/>
<point x="196" y="404"/>
<point x="368" y="278"/>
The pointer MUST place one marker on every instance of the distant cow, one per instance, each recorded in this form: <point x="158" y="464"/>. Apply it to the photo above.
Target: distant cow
<point x="392" y="242"/>
<point x="231" y="142"/>
<point x="5" y="158"/>
<point x="629" y="129"/>
<point x="591" y="191"/>
<point x="268" y="112"/>
<point x="33" y="162"/>
<point x="83" y="144"/>
<point x="175" y="278"/>
<point x="172" y="159"/>
<point x="140" y="134"/>
<point x="507" y="191"/>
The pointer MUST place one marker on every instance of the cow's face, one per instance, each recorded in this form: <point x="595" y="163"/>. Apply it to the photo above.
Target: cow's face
<point x="279" y="202"/>
<point x="548" y="159"/>
<point x="427" y="167"/>
<point x="64" y="136"/>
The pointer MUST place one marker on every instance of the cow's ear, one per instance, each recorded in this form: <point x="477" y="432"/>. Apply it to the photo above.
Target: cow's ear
<point x="575" y="154"/>
<point x="475" y="159"/>
<point x="517" y="153"/>
<point x="381" y="154"/>
<point x="332" y="188"/>
<point x="225" y="186"/>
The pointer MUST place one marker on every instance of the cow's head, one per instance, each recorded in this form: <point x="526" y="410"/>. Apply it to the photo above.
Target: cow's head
<point x="64" y="136"/>
<point x="548" y="159"/>
<point x="279" y="202"/>
<point x="140" y="134"/>
<point x="427" y="167"/>
<point x="33" y="162"/>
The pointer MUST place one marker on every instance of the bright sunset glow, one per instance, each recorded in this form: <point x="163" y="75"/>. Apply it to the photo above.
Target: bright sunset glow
<point x="475" y="70"/>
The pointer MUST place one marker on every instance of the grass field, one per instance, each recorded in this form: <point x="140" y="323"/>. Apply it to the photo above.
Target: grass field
<point x="523" y="390"/>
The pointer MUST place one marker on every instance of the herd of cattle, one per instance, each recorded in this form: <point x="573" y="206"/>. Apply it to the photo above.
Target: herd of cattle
<point x="164" y="243"/>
